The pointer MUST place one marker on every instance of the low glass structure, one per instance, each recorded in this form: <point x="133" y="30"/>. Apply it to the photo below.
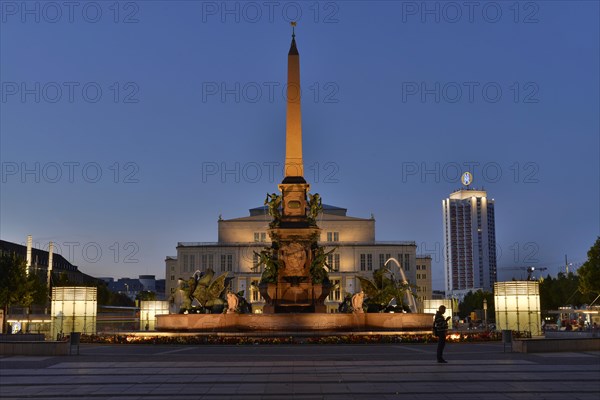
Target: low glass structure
<point x="74" y="309"/>
<point x="149" y="309"/>
<point x="431" y="307"/>
<point x="518" y="306"/>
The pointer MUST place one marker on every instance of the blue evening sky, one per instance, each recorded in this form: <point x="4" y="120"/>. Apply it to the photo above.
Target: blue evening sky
<point x="129" y="126"/>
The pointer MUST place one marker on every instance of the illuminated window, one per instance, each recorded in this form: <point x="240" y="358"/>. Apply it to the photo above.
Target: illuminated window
<point x="254" y="292"/>
<point x="336" y="295"/>
<point x="260" y="236"/>
<point x="333" y="260"/>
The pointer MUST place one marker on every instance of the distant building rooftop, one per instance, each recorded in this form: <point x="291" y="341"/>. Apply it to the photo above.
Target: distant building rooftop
<point x="39" y="262"/>
<point x="462" y="194"/>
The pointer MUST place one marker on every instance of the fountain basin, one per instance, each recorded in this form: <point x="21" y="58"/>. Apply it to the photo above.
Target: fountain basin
<point x="301" y="322"/>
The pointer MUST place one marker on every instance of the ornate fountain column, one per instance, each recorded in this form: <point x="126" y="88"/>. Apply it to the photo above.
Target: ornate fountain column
<point x="294" y="233"/>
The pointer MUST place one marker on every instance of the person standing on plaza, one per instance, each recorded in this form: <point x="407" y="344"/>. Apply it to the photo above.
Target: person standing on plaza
<point x="440" y="327"/>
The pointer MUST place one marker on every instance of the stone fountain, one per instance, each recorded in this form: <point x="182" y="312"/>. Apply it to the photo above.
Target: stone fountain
<point x="295" y="281"/>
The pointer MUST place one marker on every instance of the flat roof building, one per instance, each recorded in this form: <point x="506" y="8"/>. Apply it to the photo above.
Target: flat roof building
<point x="469" y="242"/>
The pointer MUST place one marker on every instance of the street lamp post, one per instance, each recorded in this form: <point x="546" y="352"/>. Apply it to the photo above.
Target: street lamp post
<point x="485" y="313"/>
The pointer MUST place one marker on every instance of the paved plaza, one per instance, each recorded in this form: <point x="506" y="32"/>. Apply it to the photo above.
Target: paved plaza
<point x="376" y="371"/>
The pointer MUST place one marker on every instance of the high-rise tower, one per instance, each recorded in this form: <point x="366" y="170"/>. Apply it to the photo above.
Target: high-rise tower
<point x="469" y="242"/>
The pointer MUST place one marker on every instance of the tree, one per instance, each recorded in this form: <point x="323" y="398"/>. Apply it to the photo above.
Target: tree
<point x="62" y="280"/>
<point x="38" y="287"/>
<point x="106" y="297"/>
<point x="589" y="272"/>
<point x="561" y="291"/>
<point x="13" y="280"/>
<point x="17" y="287"/>
<point x="146" y="295"/>
<point x="474" y="301"/>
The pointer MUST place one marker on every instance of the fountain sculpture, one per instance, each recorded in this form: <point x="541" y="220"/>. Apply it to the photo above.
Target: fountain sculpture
<point x="295" y="280"/>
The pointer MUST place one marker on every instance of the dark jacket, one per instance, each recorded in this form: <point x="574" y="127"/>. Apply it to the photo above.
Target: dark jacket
<point x="440" y="325"/>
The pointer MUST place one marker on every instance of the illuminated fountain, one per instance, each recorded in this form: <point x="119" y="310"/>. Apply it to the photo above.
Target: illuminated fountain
<point x="295" y="281"/>
<point x="409" y="297"/>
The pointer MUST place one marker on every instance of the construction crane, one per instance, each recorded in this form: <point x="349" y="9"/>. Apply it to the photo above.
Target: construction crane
<point x="528" y="269"/>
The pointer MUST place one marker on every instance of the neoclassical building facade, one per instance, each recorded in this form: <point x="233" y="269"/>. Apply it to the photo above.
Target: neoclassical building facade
<point x="356" y="253"/>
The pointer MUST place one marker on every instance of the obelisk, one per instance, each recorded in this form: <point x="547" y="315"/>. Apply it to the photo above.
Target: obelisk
<point x="293" y="235"/>
<point x="293" y="187"/>
<point x="294" y="166"/>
